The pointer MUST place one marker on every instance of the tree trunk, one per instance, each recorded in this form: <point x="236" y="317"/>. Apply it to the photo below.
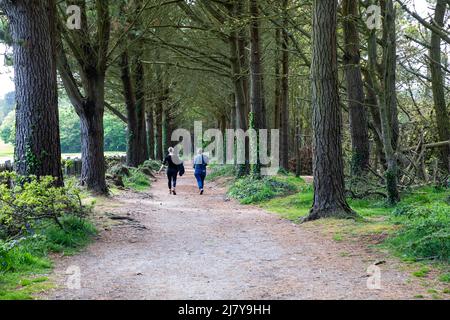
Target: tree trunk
<point x="92" y="145"/>
<point x="150" y="133"/>
<point x="92" y="63"/>
<point x="329" y="189"/>
<point x="256" y="79"/>
<point x="277" y="93"/>
<point x="355" y="89"/>
<point x="284" y="115"/>
<point x="159" y="128"/>
<point x="241" y="121"/>
<point x="389" y="105"/>
<point x="437" y="82"/>
<point x="139" y="85"/>
<point x="33" y="30"/>
<point x="133" y="147"/>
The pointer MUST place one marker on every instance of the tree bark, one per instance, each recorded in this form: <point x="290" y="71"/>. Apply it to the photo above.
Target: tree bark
<point x="284" y="110"/>
<point x="329" y="189"/>
<point x="139" y="85"/>
<point x="277" y="93"/>
<point x="33" y="31"/>
<point x="92" y="144"/>
<point x="92" y="64"/>
<point x="150" y="132"/>
<point x="240" y="94"/>
<point x="258" y="120"/>
<point x="355" y="89"/>
<point x="388" y="108"/>
<point x="437" y="83"/>
<point x="159" y="128"/>
<point x="133" y="147"/>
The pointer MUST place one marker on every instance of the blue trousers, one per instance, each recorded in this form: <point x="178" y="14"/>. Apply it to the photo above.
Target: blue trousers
<point x="200" y="176"/>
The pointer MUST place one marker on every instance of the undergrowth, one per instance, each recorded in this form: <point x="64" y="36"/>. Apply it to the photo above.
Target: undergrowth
<point x="37" y="218"/>
<point x="137" y="180"/>
<point x="24" y="261"/>
<point x="416" y="229"/>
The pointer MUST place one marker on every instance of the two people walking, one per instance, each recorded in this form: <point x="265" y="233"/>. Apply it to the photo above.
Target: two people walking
<point x="173" y="170"/>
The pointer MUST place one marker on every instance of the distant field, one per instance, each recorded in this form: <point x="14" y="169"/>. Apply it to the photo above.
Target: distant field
<point x="7" y="153"/>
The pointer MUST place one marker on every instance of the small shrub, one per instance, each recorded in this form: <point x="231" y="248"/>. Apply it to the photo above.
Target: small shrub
<point x="137" y="180"/>
<point x="16" y="256"/>
<point x="152" y="164"/>
<point x="250" y="190"/>
<point x="26" y="201"/>
<point x="425" y="233"/>
<point x="221" y="171"/>
<point x="445" y="277"/>
<point x="75" y="233"/>
<point x="422" y="273"/>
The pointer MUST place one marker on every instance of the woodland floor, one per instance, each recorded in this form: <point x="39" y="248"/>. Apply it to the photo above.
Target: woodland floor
<point x="209" y="247"/>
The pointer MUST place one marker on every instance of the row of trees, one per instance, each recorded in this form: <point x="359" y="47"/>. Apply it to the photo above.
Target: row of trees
<point x="161" y="64"/>
<point x="69" y="126"/>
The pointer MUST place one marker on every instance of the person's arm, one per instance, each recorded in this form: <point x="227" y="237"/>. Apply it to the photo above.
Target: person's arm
<point x="162" y="165"/>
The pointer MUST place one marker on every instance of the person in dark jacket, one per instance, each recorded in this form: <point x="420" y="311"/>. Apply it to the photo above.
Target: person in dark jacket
<point x="200" y="164"/>
<point x="172" y="171"/>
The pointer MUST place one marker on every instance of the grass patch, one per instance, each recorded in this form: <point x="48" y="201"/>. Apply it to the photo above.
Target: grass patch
<point x="251" y="191"/>
<point x="421" y="273"/>
<point x="136" y="180"/>
<point x="218" y="171"/>
<point x="77" y="233"/>
<point x="418" y="228"/>
<point x="23" y="262"/>
<point x="445" y="277"/>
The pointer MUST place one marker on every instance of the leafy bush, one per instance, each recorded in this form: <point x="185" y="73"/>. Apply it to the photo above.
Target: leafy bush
<point x="114" y="129"/>
<point x="221" y="171"/>
<point x="425" y="231"/>
<point x="152" y="164"/>
<point x="28" y="253"/>
<point x="22" y="255"/>
<point x="27" y="201"/>
<point x="76" y="233"/>
<point x="136" y="180"/>
<point x="250" y="190"/>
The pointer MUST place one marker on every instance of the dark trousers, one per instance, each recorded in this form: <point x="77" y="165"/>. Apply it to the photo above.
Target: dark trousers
<point x="200" y="179"/>
<point x="172" y="178"/>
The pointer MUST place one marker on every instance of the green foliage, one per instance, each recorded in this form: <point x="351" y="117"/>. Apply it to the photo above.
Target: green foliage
<point x="21" y="260"/>
<point x="69" y="130"/>
<point x="425" y="233"/>
<point x="22" y="255"/>
<point x="28" y="201"/>
<point x="422" y="273"/>
<point x="115" y="133"/>
<point x="70" y="133"/>
<point x="136" y="180"/>
<point x="152" y="164"/>
<point x="76" y="233"/>
<point x="250" y="190"/>
<point x="7" y="128"/>
<point x="221" y="171"/>
<point x="7" y="105"/>
<point x="445" y="277"/>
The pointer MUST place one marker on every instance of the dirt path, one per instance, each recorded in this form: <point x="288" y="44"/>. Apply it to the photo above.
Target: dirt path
<point x="206" y="247"/>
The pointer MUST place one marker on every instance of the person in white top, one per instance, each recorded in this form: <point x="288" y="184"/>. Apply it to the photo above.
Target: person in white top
<point x="200" y="163"/>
